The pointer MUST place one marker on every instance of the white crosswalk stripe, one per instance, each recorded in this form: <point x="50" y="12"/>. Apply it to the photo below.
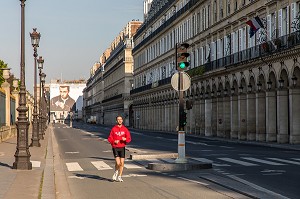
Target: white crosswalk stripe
<point x="210" y="161"/>
<point x="263" y="161"/>
<point x="285" y="161"/>
<point x="238" y="162"/>
<point x="101" y="165"/>
<point x="73" y="166"/>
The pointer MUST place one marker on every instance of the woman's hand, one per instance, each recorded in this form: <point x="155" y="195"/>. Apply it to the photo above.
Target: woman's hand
<point x="116" y="141"/>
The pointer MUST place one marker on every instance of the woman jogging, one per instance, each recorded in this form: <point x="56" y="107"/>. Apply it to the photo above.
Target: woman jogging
<point x="119" y="136"/>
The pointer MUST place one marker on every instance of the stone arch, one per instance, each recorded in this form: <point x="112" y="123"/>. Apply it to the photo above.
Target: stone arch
<point x="261" y="80"/>
<point x="284" y="76"/>
<point x="296" y="74"/>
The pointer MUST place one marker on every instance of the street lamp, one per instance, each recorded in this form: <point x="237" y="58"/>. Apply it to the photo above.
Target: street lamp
<point x="35" y="140"/>
<point x="43" y="109"/>
<point x="40" y="62"/>
<point x="22" y="154"/>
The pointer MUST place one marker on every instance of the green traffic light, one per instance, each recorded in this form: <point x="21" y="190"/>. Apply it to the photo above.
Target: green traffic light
<point x="182" y="65"/>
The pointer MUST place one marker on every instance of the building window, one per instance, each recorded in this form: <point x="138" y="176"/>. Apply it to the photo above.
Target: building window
<point x="215" y="11"/>
<point x="228" y="7"/>
<point x="221" y="9"/>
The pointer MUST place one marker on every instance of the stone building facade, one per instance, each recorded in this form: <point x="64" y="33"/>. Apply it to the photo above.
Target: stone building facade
<point x="243" y="87"/>
<point x="107" y="92"/>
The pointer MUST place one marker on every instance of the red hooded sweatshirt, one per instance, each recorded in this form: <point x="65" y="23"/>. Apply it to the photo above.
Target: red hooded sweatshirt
<point x="117" y="133"/>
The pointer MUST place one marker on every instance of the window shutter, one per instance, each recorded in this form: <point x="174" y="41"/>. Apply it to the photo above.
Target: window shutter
<point x="244" y="37"/>
<point x="240" y="40"/>
<point x="219" y="49"/>
<point x="280" y="23"/>
<point x="232" y="42"/>
<point x="201" y="55"/>
<point x="293" y="15"/>
<point x="269" y="27"/>
<point x="288" y="20"/>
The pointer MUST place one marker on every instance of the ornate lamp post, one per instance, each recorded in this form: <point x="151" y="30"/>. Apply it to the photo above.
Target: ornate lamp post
<point x="43" y="110"/>
<point x="22" y="154"/>
<point x="40" y="66"/>
<point x="35" y="140"/>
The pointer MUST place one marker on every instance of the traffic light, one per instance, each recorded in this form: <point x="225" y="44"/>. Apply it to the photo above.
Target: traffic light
<point x="182" y="119"/>
<point x="182" y="56"/>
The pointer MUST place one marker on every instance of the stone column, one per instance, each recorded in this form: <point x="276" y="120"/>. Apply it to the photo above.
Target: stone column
<point x="192" y="120"/>
<point x="6" y="87"/>
<point x="196" y="110"/>
<point x="176" y="115"/>
<point x="214" y="116"/>
<point x="208" y="117"/>
<point x="242" y="116"/>
<point x="234" y="116"/>
<point x="251" y="115"/>
<point x="260" y="116"/>
<point x="227" y="116"/>
<point x="294" y="115"/>
<point x="202" y="116"/>
<point x="271" y="116"/>
<point x="282" y="116"/>
<point x="220" y="117"/>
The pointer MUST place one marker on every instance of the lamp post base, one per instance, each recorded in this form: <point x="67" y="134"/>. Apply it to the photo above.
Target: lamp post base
<point x="22" y="162"/>
<point x="35" y="142"/>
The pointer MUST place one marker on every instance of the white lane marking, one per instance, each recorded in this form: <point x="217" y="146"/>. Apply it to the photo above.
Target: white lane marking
<point x="73" y="166"/>
<point x="133" y="175"/>
<point x="108" y="151"/>
<point x="100" y="165"/>
<point x="273" y="171"/>
<point x="210" y="161"/>
<point x="285" y="161"/>
<point x="238" y="162"/>
<point x="271" y="193"/>
<point x="63" y="140"/>
<point x="197" y="143"/>
<point x="193" y="181"/>
<point x="76" y="177"/>
<point x="263" y="161"/>
<point x="129" y="165"/>
<point x="227" y="147"/>
<point x="71" y="152"/>
<point x="296" y="159"/>
<point x="35" y="163"/>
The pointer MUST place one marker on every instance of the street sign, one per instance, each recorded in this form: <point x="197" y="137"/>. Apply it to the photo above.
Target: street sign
<point x="186" y="81"/>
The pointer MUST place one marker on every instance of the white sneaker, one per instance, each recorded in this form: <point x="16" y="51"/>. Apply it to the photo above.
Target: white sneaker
<point x="120" y="179"/>
<point x="114" y="178"/>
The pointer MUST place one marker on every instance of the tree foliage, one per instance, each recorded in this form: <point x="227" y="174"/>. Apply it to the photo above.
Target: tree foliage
<point x="2" y="65"/>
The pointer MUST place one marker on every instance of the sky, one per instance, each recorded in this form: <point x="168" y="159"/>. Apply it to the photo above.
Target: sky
<point x="73" y="34"/>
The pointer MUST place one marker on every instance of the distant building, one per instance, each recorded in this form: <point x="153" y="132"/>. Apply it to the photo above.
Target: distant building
<point x="107" y="91"/>
<point x="243" y="87"/>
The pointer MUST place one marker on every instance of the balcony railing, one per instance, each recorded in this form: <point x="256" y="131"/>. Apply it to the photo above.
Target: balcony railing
<point x="267" y="48"/>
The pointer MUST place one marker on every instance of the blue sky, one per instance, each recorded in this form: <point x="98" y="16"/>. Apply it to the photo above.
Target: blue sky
<point x="73" y="33"/>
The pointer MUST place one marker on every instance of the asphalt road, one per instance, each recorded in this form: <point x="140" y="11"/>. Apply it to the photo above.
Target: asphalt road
<point x="254" y="171"/>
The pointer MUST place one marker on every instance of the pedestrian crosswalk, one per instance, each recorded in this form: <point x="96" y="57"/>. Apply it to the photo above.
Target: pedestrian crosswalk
<point x="100" y="165"/>
<point x="216" y="162"/>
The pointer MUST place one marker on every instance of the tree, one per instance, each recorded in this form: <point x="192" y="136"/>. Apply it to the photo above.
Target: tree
<point x="2" y="65"/>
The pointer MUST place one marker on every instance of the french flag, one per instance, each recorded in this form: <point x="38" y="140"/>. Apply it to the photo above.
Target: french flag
<point x="254" y="24"/>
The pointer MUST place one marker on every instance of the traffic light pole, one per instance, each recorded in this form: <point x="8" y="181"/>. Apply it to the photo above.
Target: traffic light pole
<point x="181" y="133"/>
